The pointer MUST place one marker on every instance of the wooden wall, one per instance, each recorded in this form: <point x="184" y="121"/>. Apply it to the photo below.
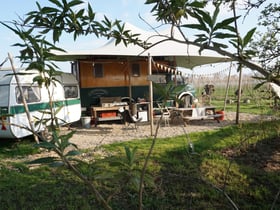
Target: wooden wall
<point x="116" y="74"/>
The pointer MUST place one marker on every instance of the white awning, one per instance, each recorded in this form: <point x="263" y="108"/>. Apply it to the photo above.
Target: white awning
<point x="183" y="55"/>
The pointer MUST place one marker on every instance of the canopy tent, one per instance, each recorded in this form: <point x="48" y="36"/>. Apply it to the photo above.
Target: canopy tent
<point x="186" y="56"/>
<point x="178" y="52"/>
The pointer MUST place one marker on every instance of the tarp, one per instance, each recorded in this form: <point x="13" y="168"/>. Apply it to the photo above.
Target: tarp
<point x="186" y="56"/>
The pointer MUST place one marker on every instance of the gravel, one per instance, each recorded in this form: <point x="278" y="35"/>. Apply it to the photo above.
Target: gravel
<point x="110" y="133"/>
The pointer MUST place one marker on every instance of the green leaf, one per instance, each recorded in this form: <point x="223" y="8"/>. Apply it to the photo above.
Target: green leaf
<point x="45" y="160"/>
<point x="57" y="3"/>
<point x="198" y="4"/>
<point x="195" y="26"/>
<point x="56" y="164"/>
<point x="233" y="43"/>
<point x="73" y="153"/>
<point x="225" y="23"/>
<point x="201" y="39"/>
<point x="219" y="45"/>
<point x="46" y="145"/>
<point x="75" y="3"/>
<point x="215" y="15"/>
<point x="47" y="10"/>
<point x="248" y="36"/>
<point x="219" y="35"/>
<point x="206" y="18"/>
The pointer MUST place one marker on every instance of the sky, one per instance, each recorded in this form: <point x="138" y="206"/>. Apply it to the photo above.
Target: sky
<point x="125" y="10"/>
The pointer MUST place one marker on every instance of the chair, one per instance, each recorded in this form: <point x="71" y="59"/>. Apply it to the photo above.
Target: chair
<point x="165" y="115"/>
<point x="128" y="118"/>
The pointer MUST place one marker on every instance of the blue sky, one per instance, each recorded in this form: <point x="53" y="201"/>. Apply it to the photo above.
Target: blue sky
<point x="125" y="10"/>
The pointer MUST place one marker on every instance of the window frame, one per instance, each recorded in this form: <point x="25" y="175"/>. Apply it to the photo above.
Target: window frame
<point x="98" y="70"/>
<point x="27" y="90"/>
<point x="135" y="69"/>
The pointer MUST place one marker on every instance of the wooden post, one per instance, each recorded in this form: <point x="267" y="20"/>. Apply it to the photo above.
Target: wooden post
<point x="239" y="94"/>
<point x="226" y="96"/>
<point x="151" y="95"/>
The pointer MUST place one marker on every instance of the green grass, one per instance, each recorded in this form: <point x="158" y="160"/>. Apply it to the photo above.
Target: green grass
<point x="226" y="161"/>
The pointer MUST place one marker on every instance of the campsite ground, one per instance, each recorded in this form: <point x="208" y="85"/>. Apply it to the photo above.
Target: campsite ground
<point x="110" y="133"/>
<point x="90" y="139"/>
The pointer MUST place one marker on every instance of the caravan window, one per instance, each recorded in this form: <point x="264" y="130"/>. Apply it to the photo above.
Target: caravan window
<point x="4" y="95"/>
<point x="71" y="91"/>
<point x="30" y="93"/>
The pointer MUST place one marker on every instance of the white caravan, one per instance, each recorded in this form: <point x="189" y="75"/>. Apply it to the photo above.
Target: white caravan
<point x="65" y="94"/>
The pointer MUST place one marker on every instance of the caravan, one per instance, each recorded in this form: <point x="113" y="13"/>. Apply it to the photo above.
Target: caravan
<point x="13" y="122"/>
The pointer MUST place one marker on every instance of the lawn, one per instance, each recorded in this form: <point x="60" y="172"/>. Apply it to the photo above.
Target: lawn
<point x="233" y="167"/>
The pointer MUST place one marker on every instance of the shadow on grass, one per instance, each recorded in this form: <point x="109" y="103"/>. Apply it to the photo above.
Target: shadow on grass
<point x="233" y="160"/>
<point x="15" y="148"/>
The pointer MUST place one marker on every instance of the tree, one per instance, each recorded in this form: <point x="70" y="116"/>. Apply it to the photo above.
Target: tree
<point x="267" y="45"/>
<point x="212" y="35"/>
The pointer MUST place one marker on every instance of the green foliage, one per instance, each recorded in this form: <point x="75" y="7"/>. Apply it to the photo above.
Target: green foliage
<point x="172" y="11"/>
<point x="168" y="91"/>
<point x="241" y="43"/>
<point x="127" y="171"/>
<point x="211" y="28"/>
<point x="266" y="42"/>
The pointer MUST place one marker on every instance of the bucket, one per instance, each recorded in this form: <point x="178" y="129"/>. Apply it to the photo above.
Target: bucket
<point x="86" y="121"/>
<point x="222" y="117"/>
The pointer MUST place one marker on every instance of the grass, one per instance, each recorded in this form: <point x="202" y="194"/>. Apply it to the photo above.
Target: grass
<point x="259" y="101"/>
<point x="230" y="162"/>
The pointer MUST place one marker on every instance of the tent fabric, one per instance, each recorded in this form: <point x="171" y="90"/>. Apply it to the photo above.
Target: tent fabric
<point x="186" y="56"/>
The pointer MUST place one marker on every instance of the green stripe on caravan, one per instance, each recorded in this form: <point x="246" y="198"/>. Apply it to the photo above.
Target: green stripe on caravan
<point x="42" y="106"/>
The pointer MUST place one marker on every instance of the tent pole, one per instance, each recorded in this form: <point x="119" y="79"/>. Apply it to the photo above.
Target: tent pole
<point x="151" y="94"/>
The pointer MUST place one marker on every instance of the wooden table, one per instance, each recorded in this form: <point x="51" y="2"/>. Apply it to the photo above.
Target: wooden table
<point x="106" y="113"/>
